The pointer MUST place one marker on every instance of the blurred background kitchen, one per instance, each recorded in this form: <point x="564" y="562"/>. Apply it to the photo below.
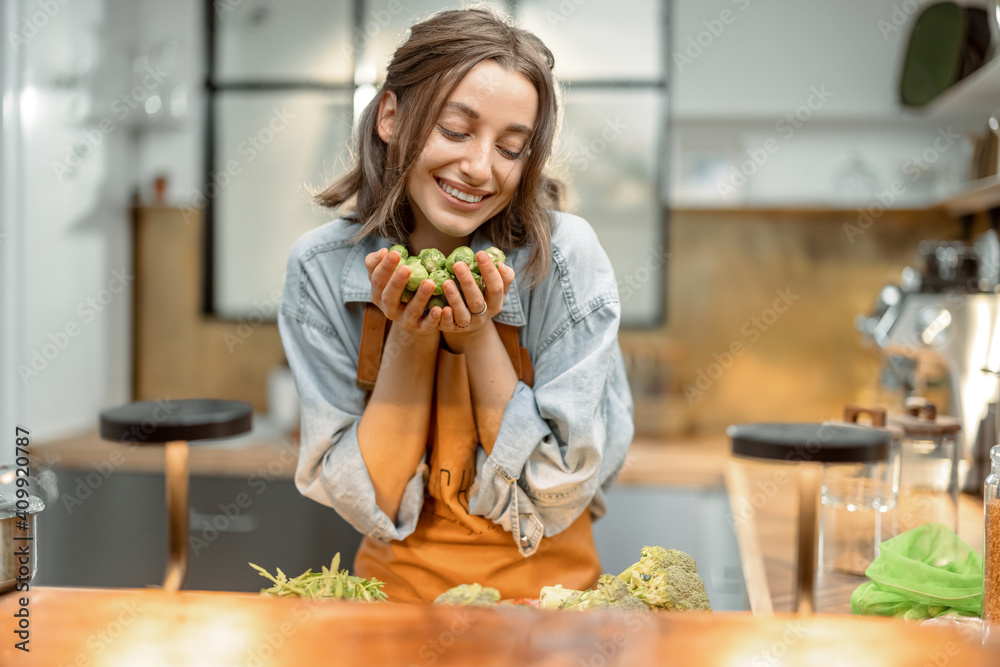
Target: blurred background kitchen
<point x="749" y="166"/>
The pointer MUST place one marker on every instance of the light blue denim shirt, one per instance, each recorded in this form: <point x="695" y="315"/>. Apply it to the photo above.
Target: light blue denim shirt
<point x="560" y="444"/>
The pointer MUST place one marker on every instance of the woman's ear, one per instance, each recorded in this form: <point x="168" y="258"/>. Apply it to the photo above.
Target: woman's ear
<point x="386" y="115"/>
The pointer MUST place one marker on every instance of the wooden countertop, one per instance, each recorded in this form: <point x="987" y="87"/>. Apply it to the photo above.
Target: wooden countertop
<point x="133" y="627"/>
<point x="692" y="462"/>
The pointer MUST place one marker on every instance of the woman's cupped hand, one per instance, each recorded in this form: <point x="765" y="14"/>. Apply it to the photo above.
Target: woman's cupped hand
<point x="460" y="316"/>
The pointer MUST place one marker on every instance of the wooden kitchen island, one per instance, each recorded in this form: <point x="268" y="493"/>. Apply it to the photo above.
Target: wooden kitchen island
<point x="87" y="627"/>
<point x="96" y="628"/>
<point x="762" y="497"/>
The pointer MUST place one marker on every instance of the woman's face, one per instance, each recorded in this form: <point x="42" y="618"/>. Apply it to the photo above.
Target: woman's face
<point x="471" y="164"/>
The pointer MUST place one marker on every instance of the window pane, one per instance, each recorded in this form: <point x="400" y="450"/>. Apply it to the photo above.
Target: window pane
<point x="611" y="140"/>
<point x="386" y="24"/>
<point x="598" y="40"/>
<point x="270" y="148"/>
<point x="291" y="40"/>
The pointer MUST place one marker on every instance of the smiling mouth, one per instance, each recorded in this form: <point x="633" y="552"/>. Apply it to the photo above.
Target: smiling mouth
<point x="458" y="194"/>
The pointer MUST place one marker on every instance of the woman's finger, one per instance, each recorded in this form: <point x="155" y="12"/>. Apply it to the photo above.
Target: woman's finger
<point x="418" y="303"/>
<point x="447" y="322"/>
<point x="373" y="258"/>
<point x="493" y="281"/>
<point x="392" y="293"/>
<point x="460" y="315"/>
<point x="507" y="274"/>
<point x="386" y="267"/>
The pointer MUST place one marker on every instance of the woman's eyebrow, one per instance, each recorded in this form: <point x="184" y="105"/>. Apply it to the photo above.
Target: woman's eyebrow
<point x="466" y="110"/>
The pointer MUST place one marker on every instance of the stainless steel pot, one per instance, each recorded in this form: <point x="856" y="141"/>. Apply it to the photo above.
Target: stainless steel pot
<point x="18" y="541"/>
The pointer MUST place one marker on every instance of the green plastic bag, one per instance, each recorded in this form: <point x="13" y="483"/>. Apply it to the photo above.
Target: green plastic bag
<point x="922" y="573"/>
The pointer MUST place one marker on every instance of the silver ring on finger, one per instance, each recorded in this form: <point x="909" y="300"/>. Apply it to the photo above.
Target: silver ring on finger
<point x="481" y="312"/>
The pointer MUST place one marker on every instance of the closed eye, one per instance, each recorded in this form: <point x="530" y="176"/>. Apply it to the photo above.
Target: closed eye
<point x="509" y="153"/>
<point x="457" y="136"/>
<point x="448" y="133"/>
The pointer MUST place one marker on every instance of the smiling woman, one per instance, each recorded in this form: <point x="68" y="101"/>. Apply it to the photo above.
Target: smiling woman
<point x="458" y="170"/>
<point x="508" y="406"/>
<point x="440" y="101"/>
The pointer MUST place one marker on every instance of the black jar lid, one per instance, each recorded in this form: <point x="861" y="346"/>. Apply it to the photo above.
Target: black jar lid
<point x="922" y="419"/>
<point x="191" y="419"/>
<point x="810" y="442"/>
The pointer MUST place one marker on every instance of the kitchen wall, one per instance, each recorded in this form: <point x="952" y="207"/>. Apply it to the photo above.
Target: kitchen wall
<point x="72" y="309"/>
<point x="761" y="313"/>
<point x="72" y="313"/>
<point x="86" y="143"/>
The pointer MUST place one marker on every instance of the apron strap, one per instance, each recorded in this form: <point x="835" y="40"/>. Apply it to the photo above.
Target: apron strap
<point x="375" y="328"/>
<point x="518" y="355"/>
<point x="373" y="332"/>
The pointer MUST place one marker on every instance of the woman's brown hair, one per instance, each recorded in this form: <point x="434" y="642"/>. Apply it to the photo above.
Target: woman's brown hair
<point x="423" y="73"/>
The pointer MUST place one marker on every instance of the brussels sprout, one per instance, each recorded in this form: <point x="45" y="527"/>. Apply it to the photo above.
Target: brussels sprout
<point x="439" y="277"/>
<point x="462" y="253"/>
<point x="479" y="281"/>
<point x="418" y="274"/>
<point x="496" y="254"/>
<point x="433" y="259"/>
<point x="402" y="252"/>
<point x="438" y="301"/>
<point x="407" y="295"/>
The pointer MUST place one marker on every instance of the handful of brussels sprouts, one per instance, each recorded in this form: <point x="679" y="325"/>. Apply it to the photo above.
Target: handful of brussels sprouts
<point x="431" y="264"/>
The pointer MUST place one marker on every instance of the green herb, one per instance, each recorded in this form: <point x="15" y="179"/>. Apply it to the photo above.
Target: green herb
<point x="332" y="583"/>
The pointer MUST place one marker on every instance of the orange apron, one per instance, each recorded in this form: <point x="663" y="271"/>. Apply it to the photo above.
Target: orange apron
<point x="450" y="546"/>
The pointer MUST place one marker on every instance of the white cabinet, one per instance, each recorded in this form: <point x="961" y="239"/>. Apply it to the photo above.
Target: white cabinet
<point x="789" y="104"/>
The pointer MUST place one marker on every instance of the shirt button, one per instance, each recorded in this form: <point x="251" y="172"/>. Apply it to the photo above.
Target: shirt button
<point x="524" y="540"/>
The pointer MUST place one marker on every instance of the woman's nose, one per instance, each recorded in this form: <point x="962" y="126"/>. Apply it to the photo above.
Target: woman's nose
<point x="476" y="163"/>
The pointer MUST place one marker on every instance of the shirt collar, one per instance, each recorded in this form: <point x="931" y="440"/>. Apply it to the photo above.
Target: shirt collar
<point x="355" y="286"/>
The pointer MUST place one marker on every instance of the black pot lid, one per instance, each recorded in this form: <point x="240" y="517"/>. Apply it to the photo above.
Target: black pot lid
<point x="808" y="442"/>
<point x="192" y="419"/>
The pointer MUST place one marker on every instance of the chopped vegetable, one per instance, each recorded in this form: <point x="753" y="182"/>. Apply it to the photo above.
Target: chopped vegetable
<point x="433" y="259"/>
<point x="462" y="253"/>
<point x="663" y="579"/>
<point x="332" y="583"/>
<point x="439" y="277"/>
<point x="417" y="275"/>
<point x="667" y="579"/>
<point x="469" y="595"/>
<point x="496" y="254"/>
<point x="611" y="593"/>
<point x="431" y="264"/>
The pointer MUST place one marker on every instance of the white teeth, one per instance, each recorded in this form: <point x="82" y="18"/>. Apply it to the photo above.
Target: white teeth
<point x="458" y="194"/>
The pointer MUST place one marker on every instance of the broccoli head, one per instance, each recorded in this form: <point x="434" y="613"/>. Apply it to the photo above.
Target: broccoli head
<point x="611" y="593"/>
<point x="469" y="595"/>
<point x="667" y="579"/>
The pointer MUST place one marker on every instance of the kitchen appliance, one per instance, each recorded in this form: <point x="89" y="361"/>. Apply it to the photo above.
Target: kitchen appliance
<point x="938" y="332"/>
<point x="20" y="501"/>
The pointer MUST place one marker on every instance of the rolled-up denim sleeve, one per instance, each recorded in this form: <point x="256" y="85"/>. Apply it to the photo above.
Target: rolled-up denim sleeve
<point x="561" y="443"/>
<point x="330" y="468"/>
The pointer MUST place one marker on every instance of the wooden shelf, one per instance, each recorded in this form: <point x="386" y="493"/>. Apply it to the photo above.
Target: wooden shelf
<point x="976" y="95"/>
<point x="977" y="196"/>
<point x="790" y="209"/>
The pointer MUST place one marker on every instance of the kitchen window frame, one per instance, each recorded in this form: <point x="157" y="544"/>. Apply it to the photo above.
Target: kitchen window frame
<point x="359" y="9"/>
